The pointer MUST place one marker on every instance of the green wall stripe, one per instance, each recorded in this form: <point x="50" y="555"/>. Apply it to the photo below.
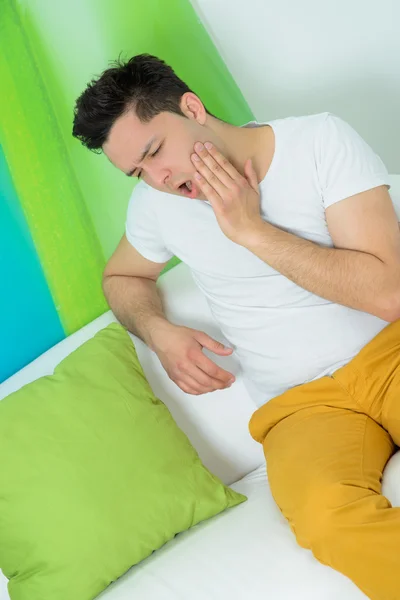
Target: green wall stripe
<point x="59" y="222"/>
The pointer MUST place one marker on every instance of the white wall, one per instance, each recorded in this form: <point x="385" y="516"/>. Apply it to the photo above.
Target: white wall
<point x="298" y="57"/>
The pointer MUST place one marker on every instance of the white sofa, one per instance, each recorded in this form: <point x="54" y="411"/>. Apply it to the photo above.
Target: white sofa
<point x="248" y="551"/>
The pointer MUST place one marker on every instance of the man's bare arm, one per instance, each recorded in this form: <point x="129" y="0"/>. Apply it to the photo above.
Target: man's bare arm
<point x="362" y="271"/>
<point x="129" y="286"/>
<point x="136" y="303"/>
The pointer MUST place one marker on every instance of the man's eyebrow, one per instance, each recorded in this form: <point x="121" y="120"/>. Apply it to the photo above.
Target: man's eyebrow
<point x="143" y="155"/>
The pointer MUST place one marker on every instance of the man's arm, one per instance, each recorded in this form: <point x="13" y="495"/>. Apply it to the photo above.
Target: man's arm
<point x="129" y="285"/>
<point x="362" y="271"/>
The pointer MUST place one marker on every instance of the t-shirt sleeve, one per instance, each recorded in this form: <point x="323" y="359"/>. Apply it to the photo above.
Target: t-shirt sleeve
<point x="346" y="164"/>
<point x="142" y="227"/>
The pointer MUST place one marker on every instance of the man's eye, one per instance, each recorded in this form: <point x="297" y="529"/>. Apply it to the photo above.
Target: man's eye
<point x="154" y="153"/>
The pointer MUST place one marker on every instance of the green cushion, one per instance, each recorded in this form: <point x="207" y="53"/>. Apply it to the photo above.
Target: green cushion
<point x="94" y="475"/>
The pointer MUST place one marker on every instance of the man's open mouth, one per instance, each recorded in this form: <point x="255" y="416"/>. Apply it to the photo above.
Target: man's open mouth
<point x="188" y="189"/>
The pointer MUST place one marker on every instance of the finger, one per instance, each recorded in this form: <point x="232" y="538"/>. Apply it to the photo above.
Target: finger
<point x="215" y="160"/>
<point x="208" y="342"/>
<point x="187" y="389"/>
<point x="208" y="176"/>
<point x="190" y="383"/>
<point x="195" y="376"/>
<point x="210" y="193"/>
<point x="205" y="380"/>
<point x="207" y="365"/>
<point x="212" y="171"/>
<point x="213" y="370"/>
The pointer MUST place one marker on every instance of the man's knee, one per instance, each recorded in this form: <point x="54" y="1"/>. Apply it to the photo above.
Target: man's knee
<point x="328" y="509"/>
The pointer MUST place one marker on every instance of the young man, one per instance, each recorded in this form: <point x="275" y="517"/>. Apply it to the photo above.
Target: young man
<point x="291" y="234"/>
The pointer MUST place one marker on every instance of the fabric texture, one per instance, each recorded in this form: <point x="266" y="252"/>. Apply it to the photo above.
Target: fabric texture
<point x="283" y="335"/>
<point x="95" y="474"/>
<point x="326" y="444"/>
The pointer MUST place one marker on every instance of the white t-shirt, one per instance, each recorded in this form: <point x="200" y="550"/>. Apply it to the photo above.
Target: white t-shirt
<point x="283" y="335"/>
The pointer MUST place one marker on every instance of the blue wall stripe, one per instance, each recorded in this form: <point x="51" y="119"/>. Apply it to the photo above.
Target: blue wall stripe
<point x="29" y="323"/>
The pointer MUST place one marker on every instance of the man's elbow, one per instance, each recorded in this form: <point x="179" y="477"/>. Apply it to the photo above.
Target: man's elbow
<point x="104" y="281"/>
<point x="389" y="308"/>
<point x="107" y="283"/>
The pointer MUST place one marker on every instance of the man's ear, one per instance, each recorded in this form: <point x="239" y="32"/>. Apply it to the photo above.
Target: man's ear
<point x="193" y="108"/>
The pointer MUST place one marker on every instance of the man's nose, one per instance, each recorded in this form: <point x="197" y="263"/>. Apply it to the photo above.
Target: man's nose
<point x="160" y="176"/>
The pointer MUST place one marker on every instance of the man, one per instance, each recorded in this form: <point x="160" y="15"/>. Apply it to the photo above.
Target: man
<point x="291" y="234"/>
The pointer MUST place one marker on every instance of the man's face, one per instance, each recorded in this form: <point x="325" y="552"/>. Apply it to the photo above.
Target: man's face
<point x="167" y="164"/>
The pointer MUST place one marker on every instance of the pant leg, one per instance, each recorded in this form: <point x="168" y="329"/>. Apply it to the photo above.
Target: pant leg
<point x="372" y="380"/>
<point x="325" y="459"/>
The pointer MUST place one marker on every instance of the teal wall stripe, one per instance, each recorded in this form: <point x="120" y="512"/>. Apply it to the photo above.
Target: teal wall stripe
<point x="29" y="322"/>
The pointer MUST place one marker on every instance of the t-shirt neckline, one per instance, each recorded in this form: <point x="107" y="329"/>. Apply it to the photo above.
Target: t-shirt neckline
<point x="274" y="157"/>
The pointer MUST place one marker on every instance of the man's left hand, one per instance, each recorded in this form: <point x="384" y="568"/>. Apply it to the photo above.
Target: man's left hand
<point x="234" y="198"/>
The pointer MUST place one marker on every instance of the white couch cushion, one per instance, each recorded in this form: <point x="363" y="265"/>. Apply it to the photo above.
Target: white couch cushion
<point x="246" y="552"/>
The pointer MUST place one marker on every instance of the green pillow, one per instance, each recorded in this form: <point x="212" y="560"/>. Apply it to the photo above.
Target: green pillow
<point x="94" y="475"/>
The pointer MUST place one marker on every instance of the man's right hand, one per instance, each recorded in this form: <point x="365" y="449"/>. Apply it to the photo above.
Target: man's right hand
<point x="180" y="352"/>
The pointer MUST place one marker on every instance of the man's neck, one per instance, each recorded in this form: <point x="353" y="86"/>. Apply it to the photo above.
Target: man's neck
<point x="240" y="143"/>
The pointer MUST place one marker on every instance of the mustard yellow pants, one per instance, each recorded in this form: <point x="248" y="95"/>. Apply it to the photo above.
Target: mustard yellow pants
<point x="326" y="444"/>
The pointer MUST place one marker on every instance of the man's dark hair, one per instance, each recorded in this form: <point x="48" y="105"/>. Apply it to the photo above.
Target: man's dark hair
<point x="144" y="83"/>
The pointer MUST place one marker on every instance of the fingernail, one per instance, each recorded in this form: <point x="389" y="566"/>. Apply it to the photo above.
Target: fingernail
<point x="208" y="145"/>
